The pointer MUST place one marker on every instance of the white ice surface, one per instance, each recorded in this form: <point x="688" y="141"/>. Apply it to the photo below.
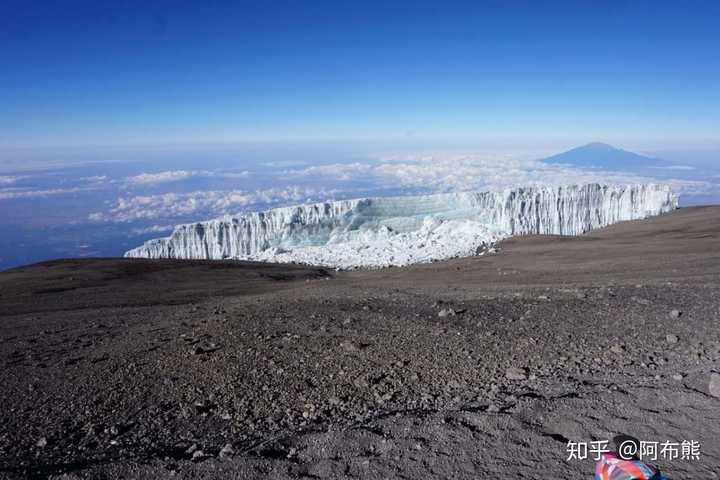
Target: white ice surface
<point x="379" y="232"/>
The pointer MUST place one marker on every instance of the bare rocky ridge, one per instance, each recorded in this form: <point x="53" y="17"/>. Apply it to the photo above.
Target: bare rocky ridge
<point x="123" y="368"/>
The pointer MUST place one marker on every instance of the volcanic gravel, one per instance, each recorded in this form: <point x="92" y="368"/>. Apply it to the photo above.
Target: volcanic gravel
<point x="483" y="367"/>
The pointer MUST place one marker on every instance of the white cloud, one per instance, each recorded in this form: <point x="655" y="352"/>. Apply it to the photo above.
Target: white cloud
<point x="204" y="204"/>
<point x="292" y="194"/>
<point x="9" y="194"/>
<point x="161" y="177"/>
<point x="675" y="167"/>
<point x="409" y="173"/>
<point x="337" y="171"/>
<point x="151" y="229"/>
<point x="166" y="205"/>
<point x="94" y="178"/>
<point x="8" y="180"/>
<point x="449" y="172"/>
<point x="178" y="175"/>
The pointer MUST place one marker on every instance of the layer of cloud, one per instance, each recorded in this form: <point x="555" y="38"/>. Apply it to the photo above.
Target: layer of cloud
<point x="8" y="179"/>
<point x="408" y="173"/>
<point x="151" y="229"/>
<point x="675" y="167"/>
<point x="9" y="193"/>
<point x="446" y="173"/>
<point x="94" y="179"/>
<point x="202" y="204"/>
<point x="161" y="177"/>
<point x="179" y="175"/>
<point x="337" y="171"/>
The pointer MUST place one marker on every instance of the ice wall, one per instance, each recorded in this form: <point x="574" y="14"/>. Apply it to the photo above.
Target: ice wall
<point x="374" y="232"/>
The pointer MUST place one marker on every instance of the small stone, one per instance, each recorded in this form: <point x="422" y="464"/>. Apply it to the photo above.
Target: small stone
<point x="492" y="408"/>
<point x="677" y="377"/>
<point x="227" y="451"/>
<point x="714" y="385"/>
<point x="361" y="382"/>
<point x="675" y="313"/>
<point x="452" y="384"/>
<point x="41" y="443"/>
<point x="349" y="346"/>
<point x="514" y="373"/>
<point x="204" y="407"/>
<point x="446" y="312"/>
<point x="641" y="301"/>
<point x="619" y="349"/>
<point x="670" y="338"/>
<point x="197" y="455"/>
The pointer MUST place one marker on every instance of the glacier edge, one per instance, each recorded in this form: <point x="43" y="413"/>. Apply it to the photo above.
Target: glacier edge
<point x="397" y="231"/>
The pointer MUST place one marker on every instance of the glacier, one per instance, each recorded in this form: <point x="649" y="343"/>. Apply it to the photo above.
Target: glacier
<point x="398" y="231"/>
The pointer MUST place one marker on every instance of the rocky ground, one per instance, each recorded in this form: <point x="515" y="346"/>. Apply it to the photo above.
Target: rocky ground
<point x="474" y="368"/>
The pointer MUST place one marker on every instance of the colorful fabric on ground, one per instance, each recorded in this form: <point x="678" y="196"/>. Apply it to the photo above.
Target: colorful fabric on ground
<point x="612" y="467"/>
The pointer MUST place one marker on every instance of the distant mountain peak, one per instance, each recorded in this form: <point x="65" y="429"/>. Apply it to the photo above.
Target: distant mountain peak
<point x="598" y="146"/>
<point x="602" y="155"/>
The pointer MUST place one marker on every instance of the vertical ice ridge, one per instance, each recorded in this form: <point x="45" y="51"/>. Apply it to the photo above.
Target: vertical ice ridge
<point x="401" y="230"/>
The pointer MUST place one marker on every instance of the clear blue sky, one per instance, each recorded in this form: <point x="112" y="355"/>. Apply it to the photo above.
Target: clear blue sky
<point x="123" y="72"/>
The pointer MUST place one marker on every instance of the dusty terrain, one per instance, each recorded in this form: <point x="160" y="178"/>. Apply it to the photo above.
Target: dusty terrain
<point x="474" y="368"/>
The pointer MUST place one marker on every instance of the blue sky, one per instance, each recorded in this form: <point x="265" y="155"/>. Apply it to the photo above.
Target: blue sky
<point x="119" y="120"/>
<point x="125" y="72"/>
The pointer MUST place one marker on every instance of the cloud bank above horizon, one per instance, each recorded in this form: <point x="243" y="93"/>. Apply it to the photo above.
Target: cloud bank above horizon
<point x="382" y="176"/>
<point x="115" y="205"/>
